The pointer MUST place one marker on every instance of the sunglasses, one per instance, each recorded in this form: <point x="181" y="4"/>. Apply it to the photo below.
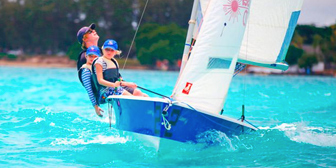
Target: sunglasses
<point x="89" y="31"/>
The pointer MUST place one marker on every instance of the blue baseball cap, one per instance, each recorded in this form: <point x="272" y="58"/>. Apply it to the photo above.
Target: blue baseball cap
<point x="110" y="44"/>
<point x="84" y="30"/>
<point x="93" y="50"/>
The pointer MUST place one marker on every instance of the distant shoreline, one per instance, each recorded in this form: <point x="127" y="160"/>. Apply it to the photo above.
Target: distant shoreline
<point x="65" y="62"/>
<point x="36" y="65"/>
<point x="40" y="62"/>
<point x="51" y="62"/>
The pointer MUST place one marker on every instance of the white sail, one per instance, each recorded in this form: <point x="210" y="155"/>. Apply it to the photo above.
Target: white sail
<point x="204" y="82"/>
<point x="269" y="31"/>
<point x="201" y="10"/>
<point x="195" y="23"/>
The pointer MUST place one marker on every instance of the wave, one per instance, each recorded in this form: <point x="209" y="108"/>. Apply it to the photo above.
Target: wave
<point x="302" y="133"/>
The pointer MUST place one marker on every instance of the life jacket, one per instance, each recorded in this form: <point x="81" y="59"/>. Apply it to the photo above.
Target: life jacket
<point x="81" y="60"/>
<point x="93" y="86"/>
<point x="111" y="74"/>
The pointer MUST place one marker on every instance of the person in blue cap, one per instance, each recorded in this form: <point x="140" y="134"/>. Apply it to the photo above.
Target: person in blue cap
<point x="86" y="79"/>
<point x="106" y="71"/>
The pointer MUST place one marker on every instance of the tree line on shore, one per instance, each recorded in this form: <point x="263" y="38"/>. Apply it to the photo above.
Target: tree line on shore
<point x="49" y="27"/>
<point x="322" y="41"/>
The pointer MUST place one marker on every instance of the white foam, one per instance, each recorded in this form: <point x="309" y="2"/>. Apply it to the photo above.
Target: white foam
<point x="327" y="94"/>
<point x="106" y="118"/>
<point x="38" y="119"/>
<point x="300" y="132"/>
<point x="100" y="139"/>
<point x="264" y="95"/>
<point x="264" y="128"/>
<point x="318" y="139"/>
<point x="285" y="127"/>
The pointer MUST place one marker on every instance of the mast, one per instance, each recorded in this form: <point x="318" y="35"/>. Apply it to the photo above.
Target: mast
<point x="187" y="45"/>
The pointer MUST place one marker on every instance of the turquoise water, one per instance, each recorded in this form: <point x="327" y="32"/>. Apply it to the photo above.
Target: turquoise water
<point x="47" y="121"/>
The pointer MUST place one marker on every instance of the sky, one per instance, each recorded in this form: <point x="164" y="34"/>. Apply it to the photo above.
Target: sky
<point x="319" y="12"/>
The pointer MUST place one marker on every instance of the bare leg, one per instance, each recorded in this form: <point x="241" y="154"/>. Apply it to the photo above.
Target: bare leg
<point x="126" y="93"/>
<point x="137" y="92"/>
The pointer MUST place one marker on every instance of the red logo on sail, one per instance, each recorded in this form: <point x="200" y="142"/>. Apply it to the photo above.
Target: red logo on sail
<point x="235" y="8"/>
<point x="187" y="88"/>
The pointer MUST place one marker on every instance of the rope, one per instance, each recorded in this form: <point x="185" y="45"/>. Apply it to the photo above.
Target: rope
<point x="248" y="122"/>
<point x="247" y="37"/>
<point x="136" y="32"/>
<point x="153" y="92"/>
<point x="174" y="102"/>
<point x="164" y="113"/>
<point x="244" y="96"/>
<point x="198" y="29"/>
<point x="166" y="123"/>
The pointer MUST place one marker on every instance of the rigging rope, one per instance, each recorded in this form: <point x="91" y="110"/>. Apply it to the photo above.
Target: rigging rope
<point x="153" y="92"/>
<point x="243" y="106"/>
<point x="136" y="32"/>
<point x="198" y="29"/>
<point x="164" y="113"/>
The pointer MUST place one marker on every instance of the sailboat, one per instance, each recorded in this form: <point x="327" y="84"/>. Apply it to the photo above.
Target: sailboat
<point x="223" y="37"/>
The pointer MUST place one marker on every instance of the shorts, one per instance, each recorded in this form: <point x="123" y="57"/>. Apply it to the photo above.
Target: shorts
<point x="129" y="89"/>
<point x="106" y="92"/>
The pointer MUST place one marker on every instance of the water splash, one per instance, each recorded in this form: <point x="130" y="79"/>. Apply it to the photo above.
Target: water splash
<point x="217" y="138"/>
<point x="100" y="139"/>
<point x="302" y="133"/>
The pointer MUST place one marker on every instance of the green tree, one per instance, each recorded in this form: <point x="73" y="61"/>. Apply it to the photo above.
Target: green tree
<point x="297" y="40"/>
<point x="307" y="61"/>
<point x="168" y="11"/>
<point x="293" y="55"/>
<point x="328" y="48"/>
<point x="316" y="42"/>
<point x="157" y="42"/>
<point x="309" y="31"/>
<point x="74" y="51"/>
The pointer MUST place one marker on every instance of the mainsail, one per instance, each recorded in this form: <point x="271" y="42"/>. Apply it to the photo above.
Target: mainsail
<point x="269" y="31"/>
<point x="204" y="82"/>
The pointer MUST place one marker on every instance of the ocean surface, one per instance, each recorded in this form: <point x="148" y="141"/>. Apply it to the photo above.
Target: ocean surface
<point x="46" y="120"/>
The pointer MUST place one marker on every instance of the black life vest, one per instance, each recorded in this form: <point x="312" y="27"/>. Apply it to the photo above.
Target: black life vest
<point x="81" y="60"/>
<point x="110" y="74"/>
